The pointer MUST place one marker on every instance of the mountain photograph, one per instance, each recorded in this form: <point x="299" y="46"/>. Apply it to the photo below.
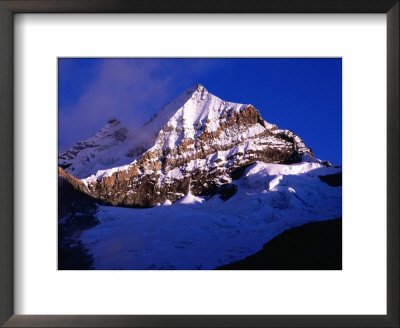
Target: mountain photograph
<point x="199" y="164"/>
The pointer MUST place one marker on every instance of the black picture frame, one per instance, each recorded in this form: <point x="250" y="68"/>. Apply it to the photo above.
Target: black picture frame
<point x="10" y="7"/>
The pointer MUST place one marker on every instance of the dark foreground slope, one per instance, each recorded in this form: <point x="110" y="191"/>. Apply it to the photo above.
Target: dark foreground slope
<point x="76" y="212"/>
<point x="313" y="246"/>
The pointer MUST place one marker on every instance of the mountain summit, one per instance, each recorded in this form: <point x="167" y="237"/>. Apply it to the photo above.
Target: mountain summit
<point x="198" y="142"/>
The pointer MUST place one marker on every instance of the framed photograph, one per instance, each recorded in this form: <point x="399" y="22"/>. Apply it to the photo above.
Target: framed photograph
<point x="201" y="183"/>
<point x="199" y="164"/>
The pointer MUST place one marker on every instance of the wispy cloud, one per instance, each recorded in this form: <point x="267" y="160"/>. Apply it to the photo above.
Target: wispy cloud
<point x="131" y="90"/>
<point x="125" y="90"/>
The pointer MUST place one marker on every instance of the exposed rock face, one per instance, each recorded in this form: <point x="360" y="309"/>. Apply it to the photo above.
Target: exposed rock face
<point x="199" y="140"/>
<point x="333" y="180"/>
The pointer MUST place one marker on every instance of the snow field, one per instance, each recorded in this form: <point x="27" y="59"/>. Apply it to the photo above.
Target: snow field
<point x="193" y="233"/>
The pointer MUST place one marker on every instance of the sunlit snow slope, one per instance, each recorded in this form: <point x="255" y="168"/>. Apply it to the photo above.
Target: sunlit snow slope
<point x="195" y="233"/>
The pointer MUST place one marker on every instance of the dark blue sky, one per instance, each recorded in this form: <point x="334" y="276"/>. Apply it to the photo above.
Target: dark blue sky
<point x="302" y="95"/>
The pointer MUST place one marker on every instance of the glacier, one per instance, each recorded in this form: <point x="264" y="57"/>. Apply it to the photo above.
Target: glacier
<point x="196" y="233"/>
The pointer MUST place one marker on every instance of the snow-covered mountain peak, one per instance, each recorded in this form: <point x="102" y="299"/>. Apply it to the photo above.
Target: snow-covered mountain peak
<point x="197" y="137"/>
<point x="192" y="113"/>
<point x="199" y="111"/>
<point x="196" y="103"/>
<point x="193" y="106"/>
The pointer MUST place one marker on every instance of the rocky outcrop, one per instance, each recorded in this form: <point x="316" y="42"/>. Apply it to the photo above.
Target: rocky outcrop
<point x="204" y="144"/>
<point x="333" y="180"/>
